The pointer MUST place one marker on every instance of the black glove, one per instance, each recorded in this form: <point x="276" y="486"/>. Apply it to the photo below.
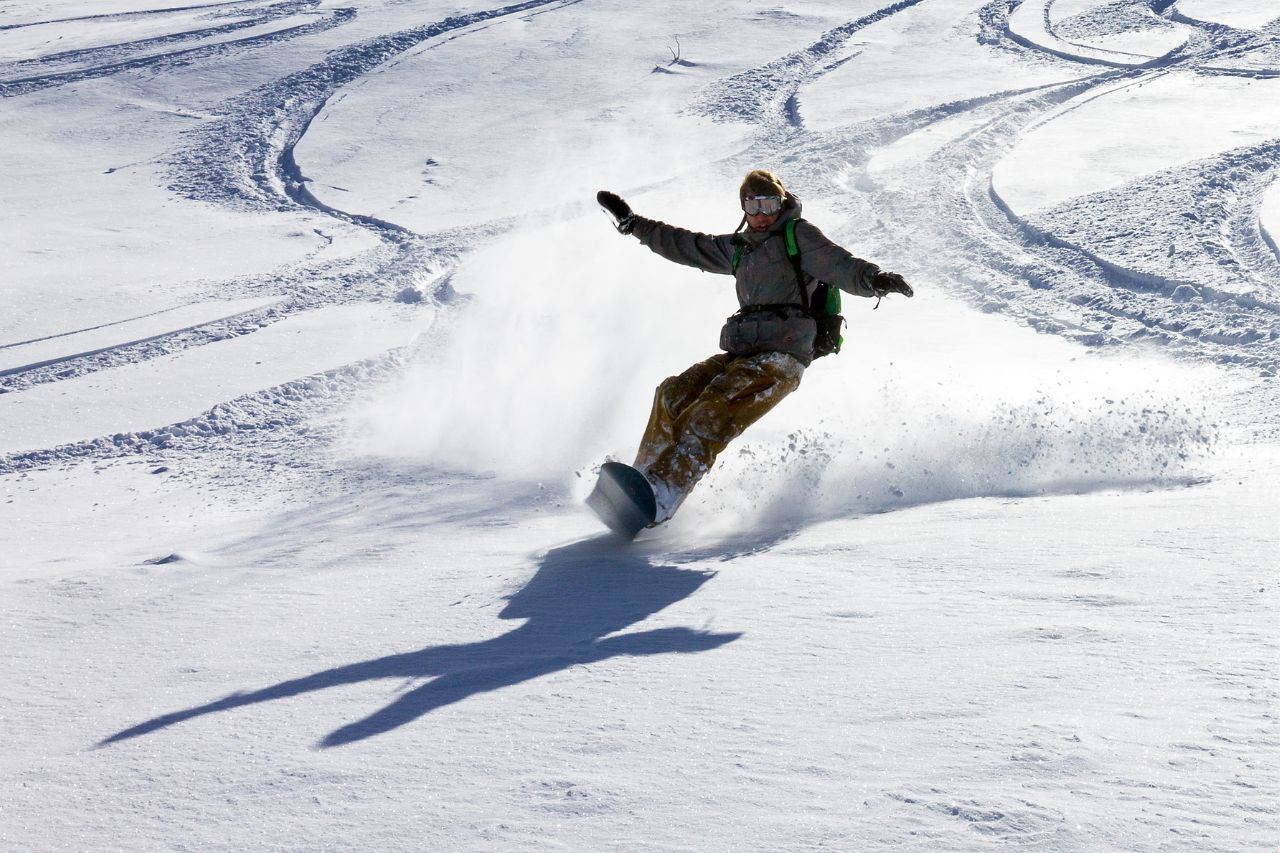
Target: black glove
<point x="890" y="282"/>
<point x="623" y="218"/>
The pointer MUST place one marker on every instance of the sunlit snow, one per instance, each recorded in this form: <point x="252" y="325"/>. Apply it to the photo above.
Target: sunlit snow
<point x="312" y="339"/>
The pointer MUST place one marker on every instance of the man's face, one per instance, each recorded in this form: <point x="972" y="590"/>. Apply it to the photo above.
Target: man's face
<point x="762" y="211"/>
<point x="761" y="221"/>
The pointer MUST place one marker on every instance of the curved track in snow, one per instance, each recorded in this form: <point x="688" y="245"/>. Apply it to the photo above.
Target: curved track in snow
<point x="1217" y="297"/>
<point x="261" y="26"/>
<point x="243" y="159"/>
<point x="1211" y="213"/>
<point x="767" y="96"/>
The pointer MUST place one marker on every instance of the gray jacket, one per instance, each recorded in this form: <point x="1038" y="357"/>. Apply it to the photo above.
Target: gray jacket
<point x="765" y="275"/>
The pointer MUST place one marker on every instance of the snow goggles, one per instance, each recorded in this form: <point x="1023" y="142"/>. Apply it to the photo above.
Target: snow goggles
<point x="754" y="205"/>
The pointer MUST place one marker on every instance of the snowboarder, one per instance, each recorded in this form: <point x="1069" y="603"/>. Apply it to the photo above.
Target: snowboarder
<point x="782" y="265"/>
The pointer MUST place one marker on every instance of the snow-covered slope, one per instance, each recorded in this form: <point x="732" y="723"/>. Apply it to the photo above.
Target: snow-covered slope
<point x="311" y="339"/>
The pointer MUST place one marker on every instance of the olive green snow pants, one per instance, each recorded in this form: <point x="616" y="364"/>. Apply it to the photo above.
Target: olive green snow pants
<point x="696" y="415"/>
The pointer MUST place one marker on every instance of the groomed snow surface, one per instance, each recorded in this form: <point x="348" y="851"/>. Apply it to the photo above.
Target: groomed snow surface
<point x="312" y="339"/>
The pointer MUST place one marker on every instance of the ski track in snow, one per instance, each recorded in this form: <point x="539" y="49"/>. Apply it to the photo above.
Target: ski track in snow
<point x="1023" y="266"/>
<point x="767" y="96"/>
<point x="1053" y="275"/>
<point x="244" y="160"/>
<point x="167" y="51"/>
<point x="1211" y="251"/>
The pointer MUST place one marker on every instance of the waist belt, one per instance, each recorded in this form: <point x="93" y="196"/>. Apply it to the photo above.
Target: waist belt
<point x="783" y="310"/>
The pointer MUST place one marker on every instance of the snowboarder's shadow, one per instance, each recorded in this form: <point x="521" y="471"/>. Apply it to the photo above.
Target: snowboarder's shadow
<point x="579" y="596"/>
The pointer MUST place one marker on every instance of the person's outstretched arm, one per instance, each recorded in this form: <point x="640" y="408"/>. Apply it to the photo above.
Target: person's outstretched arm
<point x="826" y="261"/>
<point x="705" y="251"/>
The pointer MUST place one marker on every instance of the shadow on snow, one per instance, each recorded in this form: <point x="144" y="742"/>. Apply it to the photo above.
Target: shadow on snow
<point x="581" y="594"/>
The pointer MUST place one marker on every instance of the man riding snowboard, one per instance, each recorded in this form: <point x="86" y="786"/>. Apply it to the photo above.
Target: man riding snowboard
<point x="779" y="268"/>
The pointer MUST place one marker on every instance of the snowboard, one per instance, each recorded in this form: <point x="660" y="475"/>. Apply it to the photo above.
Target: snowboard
<point x="623" y="499"/>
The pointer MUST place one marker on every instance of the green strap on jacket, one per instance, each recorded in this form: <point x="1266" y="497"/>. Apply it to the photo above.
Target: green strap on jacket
<point x="793" y="249"/>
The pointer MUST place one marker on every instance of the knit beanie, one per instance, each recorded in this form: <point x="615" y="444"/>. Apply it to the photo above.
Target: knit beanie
<point x="761" y="182"/>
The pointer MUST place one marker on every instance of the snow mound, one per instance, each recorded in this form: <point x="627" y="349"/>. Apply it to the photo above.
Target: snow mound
<point x="1100" y="141"/>
<point x="1233" y="13"/>
<point x="1185" y="217"/>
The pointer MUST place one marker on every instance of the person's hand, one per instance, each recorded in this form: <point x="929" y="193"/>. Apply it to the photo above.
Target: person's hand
<point x="623" y="218"/>
<point x="890" y="282"/>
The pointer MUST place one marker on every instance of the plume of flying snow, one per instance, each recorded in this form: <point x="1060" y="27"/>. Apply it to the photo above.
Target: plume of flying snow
<point x="546" y="365"/>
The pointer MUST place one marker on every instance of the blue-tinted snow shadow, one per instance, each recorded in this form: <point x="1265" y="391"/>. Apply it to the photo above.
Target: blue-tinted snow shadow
<point x="580" y="595"/>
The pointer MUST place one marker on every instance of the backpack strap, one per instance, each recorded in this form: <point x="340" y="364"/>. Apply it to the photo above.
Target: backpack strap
<point x="793" y="252"/>
<point x="821" y="295"/>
